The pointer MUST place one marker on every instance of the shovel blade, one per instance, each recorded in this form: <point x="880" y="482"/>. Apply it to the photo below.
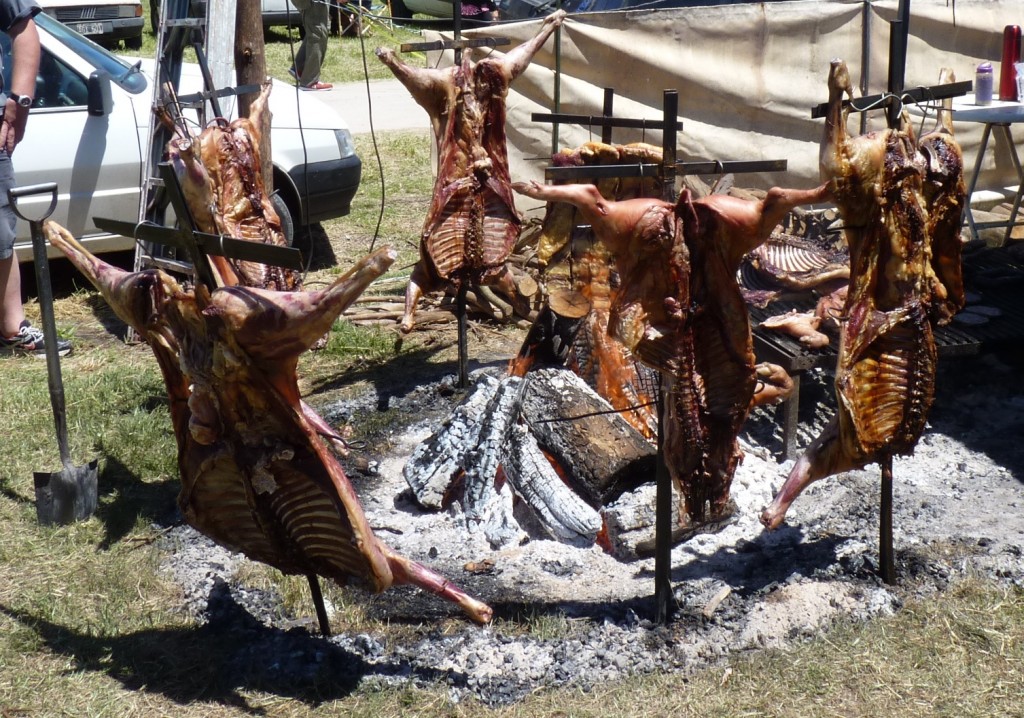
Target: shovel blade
<point x="66" y="496"/>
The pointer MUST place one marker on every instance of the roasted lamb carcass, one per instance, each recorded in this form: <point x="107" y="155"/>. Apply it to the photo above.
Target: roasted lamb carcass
<point x="680" y="311"/>
<point x="472" y="224"/>
<point x="559" y="218"/>
<point x="256" y="474"/>
<point x="896" y="200"/>
<point x="221" y="179"/>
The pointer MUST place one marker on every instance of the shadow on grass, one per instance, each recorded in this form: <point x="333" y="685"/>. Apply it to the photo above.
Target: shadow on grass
<point x="125" y="499"/>
<point x="315" y="245"/>
<point x="215" y="662"/>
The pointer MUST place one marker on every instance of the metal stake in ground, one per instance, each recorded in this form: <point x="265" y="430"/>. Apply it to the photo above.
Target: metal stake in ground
<point x="886" y="560"/>
<point x="68" y="495"/>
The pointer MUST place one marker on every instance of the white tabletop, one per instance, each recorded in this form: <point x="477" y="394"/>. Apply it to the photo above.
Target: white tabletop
<point x="965" y="110"/>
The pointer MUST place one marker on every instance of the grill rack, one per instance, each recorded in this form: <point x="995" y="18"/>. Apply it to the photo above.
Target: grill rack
<point x="992" y="278"/>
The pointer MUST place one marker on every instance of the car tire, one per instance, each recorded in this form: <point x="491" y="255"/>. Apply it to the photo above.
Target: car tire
<point x="133" y="43"/>
<point x="399" y="10"/>
<point x="287" y="223"/>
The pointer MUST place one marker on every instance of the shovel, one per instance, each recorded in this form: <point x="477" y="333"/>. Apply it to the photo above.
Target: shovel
<point x="70" y="494"/>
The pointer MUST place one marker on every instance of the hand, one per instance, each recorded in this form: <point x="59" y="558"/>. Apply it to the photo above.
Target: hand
<point x="530" y="189"/>
<point x="12" y="127"/>
<point x="556" y="17"/>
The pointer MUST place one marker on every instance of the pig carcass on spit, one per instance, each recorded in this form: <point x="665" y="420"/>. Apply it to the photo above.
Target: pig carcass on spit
<point x="221" y="179"/>
<point x="256" y="474"/>
<point x="472" y="224"/>
<point x="901" y="202"/>
<point x="680" y="311"/>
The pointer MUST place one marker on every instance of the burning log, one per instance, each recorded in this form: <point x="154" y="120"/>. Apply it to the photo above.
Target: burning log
<point x="559" y="510"/>
<point x="602" y="457"/>
<point x="528" y="426"/>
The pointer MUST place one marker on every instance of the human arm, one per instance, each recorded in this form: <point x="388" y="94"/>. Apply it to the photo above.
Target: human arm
<point x="25" y="56"/>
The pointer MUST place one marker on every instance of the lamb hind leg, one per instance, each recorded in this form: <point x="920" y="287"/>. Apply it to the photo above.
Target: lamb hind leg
<point x="824" y="457"/>
<point x="411" y="573"/>
<point x="419" y="282"/>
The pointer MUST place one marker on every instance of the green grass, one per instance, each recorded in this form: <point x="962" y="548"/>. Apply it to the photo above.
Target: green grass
<point x="348" y="59"/>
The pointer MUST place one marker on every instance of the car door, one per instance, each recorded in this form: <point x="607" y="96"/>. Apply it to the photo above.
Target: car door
<point x="96" y="160"/>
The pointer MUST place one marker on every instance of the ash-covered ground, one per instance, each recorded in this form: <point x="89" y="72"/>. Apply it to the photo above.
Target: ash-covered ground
<point x="959" y="510"/>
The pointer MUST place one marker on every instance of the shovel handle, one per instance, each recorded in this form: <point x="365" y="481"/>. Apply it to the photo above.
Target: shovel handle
<point x="16" y="193"/>
<point x="42" y="267"/>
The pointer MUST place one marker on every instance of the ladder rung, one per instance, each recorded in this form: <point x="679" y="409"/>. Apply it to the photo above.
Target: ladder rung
<point x="186" y="22"/>
<point x="167" y="264"/>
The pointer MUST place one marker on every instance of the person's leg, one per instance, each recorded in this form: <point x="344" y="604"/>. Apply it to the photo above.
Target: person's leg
<point x="11" y="312"/>
<point x="316" y="22"/>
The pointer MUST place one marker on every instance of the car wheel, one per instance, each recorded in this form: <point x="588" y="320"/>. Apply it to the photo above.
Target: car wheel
<point x="287" y="223"/>
<point x="133" y="43"/>
<point x="399" y="10"/>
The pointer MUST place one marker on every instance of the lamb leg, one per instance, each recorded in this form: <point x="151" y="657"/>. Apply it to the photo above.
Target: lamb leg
<point x="406" y="571"/>
<point x="824" y="457"/>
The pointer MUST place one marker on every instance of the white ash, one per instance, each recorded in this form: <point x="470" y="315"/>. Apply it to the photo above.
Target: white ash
<point x="957" y="513"/>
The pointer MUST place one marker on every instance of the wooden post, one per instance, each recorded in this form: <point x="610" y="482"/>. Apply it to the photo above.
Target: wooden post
<point x="886" y="556"/>
<point x="251" y="69"/>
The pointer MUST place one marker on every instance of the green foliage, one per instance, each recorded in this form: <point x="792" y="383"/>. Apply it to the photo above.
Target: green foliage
<point x="349" y="57"/>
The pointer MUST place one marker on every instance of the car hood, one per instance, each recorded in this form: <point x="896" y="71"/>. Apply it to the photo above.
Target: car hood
<point x="290" y="107"/>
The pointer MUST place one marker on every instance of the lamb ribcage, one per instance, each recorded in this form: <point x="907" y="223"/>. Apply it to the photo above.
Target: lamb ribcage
<point x="475" y="233"/>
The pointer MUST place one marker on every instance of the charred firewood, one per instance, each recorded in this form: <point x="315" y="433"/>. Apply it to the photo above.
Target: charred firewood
<point x="547" y="438"/>
<point x="601" y="455"/>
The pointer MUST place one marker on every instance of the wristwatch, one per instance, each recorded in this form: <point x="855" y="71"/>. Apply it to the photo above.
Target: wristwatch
<point x="22" y="100"/>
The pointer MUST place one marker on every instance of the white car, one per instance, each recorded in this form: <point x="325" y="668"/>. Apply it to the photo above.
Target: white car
<point x="105" y="21"/>
<point x="88" y="131"/>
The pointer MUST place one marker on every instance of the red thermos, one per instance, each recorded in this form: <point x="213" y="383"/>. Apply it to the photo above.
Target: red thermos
<point x="1007" y="72"/>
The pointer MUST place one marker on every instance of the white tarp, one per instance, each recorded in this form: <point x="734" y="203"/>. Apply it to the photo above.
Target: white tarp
<point x="747" y="76"/>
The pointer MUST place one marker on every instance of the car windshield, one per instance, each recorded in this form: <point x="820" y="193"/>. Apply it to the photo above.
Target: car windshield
<point x="125" y="75"/>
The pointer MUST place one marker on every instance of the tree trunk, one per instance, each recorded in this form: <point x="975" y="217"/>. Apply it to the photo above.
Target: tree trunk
<point x="251" y="69"/>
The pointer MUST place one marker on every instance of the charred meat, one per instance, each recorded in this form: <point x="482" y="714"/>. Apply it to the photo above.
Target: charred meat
<point x="220" y="176"/>
<point x="680" y="311"/>
<point x="891" y="203"/>
<point x="256" y="474"/>
<point x="472" y="223"/>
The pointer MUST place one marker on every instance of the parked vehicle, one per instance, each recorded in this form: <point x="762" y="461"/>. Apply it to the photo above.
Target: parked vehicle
<point x="88" y="132"/>
<point x="529" y="9"/>
<point x="104" y="21"/>
<point x="405" y="9"/>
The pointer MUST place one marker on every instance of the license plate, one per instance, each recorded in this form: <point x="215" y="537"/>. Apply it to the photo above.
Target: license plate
<point x="89" y="28"/>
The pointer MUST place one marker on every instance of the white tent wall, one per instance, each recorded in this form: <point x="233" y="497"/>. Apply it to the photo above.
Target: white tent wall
<point x="747" y="76"/>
